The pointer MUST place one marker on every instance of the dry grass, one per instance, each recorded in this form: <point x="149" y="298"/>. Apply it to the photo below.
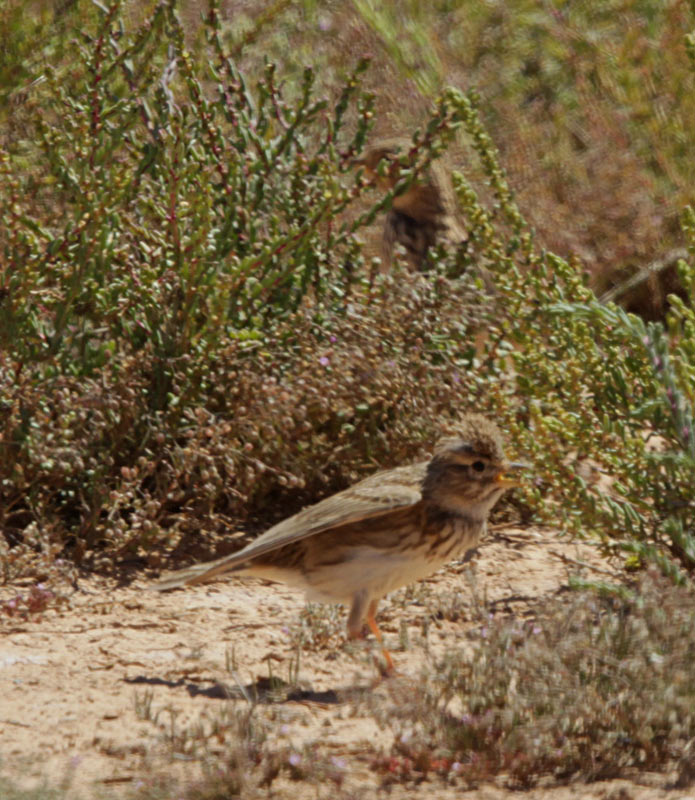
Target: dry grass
<point x="589" y="686"/>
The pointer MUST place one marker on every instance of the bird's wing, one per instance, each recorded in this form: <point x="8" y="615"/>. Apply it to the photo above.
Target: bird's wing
<point x="376" y="495"/>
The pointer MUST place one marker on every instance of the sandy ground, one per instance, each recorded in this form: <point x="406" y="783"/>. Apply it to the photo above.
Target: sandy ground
<point x="91" y="696"/>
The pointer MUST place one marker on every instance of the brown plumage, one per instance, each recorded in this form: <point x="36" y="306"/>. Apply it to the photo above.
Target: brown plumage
<point x="386" y="531"/>
<point x="423" y="216"/>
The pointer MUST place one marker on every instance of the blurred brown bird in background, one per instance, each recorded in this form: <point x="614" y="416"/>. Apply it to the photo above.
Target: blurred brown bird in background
<point x="386" y="531"/>
<point x="424" y="215"/>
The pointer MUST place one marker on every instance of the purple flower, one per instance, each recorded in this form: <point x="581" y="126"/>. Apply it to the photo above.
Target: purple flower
<point x="295" y="759"/>
<point x="323" y="361"/>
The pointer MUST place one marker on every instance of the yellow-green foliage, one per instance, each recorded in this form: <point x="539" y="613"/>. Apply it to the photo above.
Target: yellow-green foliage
<point x="190" y="330"/>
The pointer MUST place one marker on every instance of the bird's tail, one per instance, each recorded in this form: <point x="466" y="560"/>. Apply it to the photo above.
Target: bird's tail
<point x="198" y="573"/>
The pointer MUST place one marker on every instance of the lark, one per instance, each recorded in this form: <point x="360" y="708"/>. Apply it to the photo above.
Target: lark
<point x="424" y="215"/>
<point x="389" y="530"/>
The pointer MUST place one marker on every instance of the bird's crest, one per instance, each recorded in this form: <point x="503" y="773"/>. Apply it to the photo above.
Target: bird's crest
<point x="474" y="434"/>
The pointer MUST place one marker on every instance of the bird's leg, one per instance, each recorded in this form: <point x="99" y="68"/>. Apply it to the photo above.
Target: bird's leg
<point x="374" y="628"/>
<point x="358" y="611"/>
<point x="365" y="608"/>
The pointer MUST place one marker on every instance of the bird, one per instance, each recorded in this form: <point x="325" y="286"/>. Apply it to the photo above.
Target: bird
<point x="424" y="215"/>
<point x="391" y="529"/>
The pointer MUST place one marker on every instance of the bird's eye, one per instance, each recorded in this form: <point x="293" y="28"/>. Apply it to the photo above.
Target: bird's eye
<point x="478" y="466"/>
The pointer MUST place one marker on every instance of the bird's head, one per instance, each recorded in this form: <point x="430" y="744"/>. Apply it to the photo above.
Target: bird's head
<point x="468" y="472"/>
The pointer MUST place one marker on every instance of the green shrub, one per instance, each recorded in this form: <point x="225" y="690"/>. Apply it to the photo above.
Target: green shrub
<point x="187" y="322"/>
<point x="579" y="382"/>
<point x="190" y="331"/>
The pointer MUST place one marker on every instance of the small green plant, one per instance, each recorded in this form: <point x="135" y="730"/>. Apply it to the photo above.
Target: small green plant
<point x="143" y="704"/>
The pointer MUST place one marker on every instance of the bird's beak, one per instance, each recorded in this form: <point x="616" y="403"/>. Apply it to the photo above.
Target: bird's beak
<point x="510" y="483"/>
